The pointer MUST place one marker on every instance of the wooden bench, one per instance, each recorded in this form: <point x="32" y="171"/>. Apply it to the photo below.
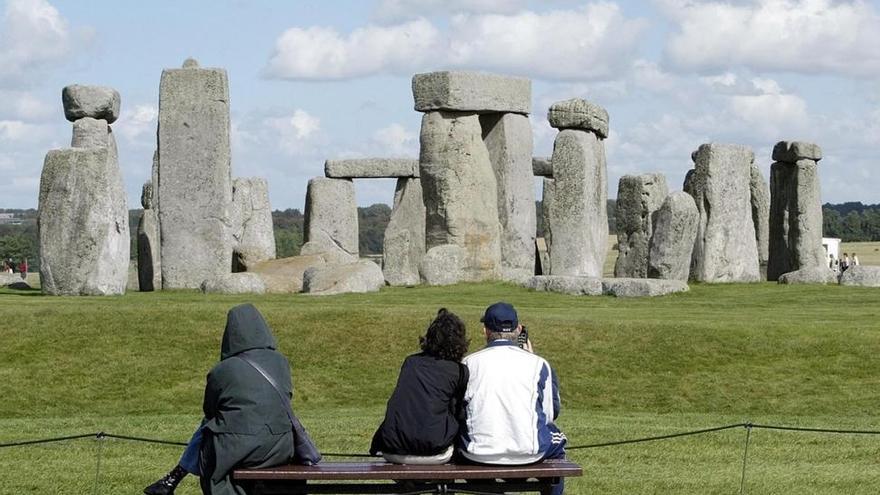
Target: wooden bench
<point x="381" y="477"/>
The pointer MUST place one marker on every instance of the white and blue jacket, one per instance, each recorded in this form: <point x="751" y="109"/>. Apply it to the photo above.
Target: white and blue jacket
<point x="511" y="401"/>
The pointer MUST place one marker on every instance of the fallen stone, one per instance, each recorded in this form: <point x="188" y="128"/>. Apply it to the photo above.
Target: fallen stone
<point x="444" y="265"/>
<point x="252" y="231"/>
<point x="578" y="219"/>
<point x="861" y="275"/>
<point x="641" y="287"/>
<point x="365" y="168"/>
<point x="360" y="276"/>
<point x="760" y="194"/>
<point x="675" y="231"/>
<point x="542" y="167"/>
<point x="792" y="151"/>
<point x="809" y="275"/>
<point x="638" y="199"/>
<point x="404" y="241"/>
<point x="7" y="279"/>
<point x="331" y="210"/>
<point x="234" y="283"/>
<point x="97" y="102"/>
<point x="285" y="275"/>
<point x="577" y="113"/>
<point x="322" y="245"/>
<point x="563" y="284"/>
<point x="464" y="91"/>
<point x="508" y="137"/>
<point x="90" y="133"/>
<point x="195" y="190"/>
<point x="459" y="191"/>
<point x="726" y="249"/>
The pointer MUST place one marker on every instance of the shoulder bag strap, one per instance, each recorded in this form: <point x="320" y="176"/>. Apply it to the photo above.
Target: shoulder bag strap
<point x="284" y="400"/>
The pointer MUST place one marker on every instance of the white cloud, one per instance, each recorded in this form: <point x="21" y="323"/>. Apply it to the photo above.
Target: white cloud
<point x="22" y="132"/>
<point x="25" y="105"/>
<point x="396" y="141"/>
<point x="389" y="10"/>
<point x="294" y="132"/>
<point x="593" y="41"/>
<point x="806" y="36"/>
<point x="138" y="125"/>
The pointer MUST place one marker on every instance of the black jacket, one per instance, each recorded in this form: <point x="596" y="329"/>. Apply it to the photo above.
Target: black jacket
<point x="424" y="411"/>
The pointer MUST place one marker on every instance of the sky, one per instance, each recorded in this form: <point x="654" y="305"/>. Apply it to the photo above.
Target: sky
<point x="317" y="80"/>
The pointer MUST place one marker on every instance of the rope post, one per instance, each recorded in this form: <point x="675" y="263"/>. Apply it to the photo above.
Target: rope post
<point x="100" y="439"/>
<point x="742" y="483"/>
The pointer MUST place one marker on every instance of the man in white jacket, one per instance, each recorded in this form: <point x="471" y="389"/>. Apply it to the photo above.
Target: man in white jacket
<point x="512" y="398"/>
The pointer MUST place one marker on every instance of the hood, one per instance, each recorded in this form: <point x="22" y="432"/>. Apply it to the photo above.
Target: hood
<point x="245" y="329"/>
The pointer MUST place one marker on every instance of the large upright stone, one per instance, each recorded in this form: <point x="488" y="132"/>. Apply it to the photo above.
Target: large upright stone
<point x="148" y="244"/>
<point x="760" y="194"/>
<point x="464" y="91"/>
<point x="98" y="102"/>
<point x="578" y="218"/>
<point x="84" y="237"/>
<point x="726" y="249"/>
<point x="404" y="245"/>
<point x="90" y="133"/>
<point x="458" y="184"/>
<point x="195" y="181"/>
<point x="675" y="231"/>
<point x="795" y="209"/>
<point x="638" y="198"/>
<point x="252" y="232"/>
<point x="331" y="216"/>
<point x="365" y="168"/>
<point x="508" y="137"/>
<point x="577" y="113"/>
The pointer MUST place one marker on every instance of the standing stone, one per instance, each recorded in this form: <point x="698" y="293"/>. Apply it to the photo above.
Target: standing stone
<point x="90" y="133"/>
<point x="795" y="209"/>
<point x="148" y="244"/>
<point x="253" y="235"/>
<point x="84" y="241"/>
<point x="549" y="185"/>
<point x="444" y="265"/>
<point x="579" y="114"/>
<point x="675" y="231"/>
<point x="638" y="198"/>
<point x="195" y="181"/>
<point x="760" y="194"/>
<point x="458" y="184"/>
<point x="98" y="102"/>
<point x="726" y="249"/>
<point x="331" y="221"/>
<point x="578" y="210"/>
<point x="404" y="245"/>
<point x="508" y="137"/>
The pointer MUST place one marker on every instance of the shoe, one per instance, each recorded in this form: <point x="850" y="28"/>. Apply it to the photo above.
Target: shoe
<point x="167" y="484"/>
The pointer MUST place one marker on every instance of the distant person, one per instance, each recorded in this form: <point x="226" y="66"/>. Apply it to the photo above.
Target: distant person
<point x="832" y="263"/>
<point x="512" y="398"/>
<point x="245" y="423"/>
<point x="23" y="268"/>
<point x="855" y="260"/>
<point x="844" y="263"/>
<point x="423" y="414"/>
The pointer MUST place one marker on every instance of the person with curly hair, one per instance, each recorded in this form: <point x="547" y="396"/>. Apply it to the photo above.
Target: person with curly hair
<point x="424" y="412"/>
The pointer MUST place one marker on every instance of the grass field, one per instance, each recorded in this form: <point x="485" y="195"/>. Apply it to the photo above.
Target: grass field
<point x="789" y="355"/>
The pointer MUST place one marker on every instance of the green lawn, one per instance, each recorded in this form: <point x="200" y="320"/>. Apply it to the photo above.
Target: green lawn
<point x="791" y="355"/>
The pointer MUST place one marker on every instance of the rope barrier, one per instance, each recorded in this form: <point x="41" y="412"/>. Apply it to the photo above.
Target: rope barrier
<point x="651" y="439"/>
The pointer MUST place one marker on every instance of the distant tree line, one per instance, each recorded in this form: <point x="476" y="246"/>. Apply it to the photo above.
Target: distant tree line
<point x="851" y="222"/>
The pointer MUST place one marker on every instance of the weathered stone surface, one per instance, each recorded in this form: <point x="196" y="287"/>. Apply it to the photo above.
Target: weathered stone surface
<point x="365" y="168"/>
<point x="809" y="275"/>
<point x="549" y="185"/>
<point x="285" y="275"/>
<point x="508" y="137"/>
<point x="726" y="249"/>
<point x="458" y="185"/>
<point x="638" y="199"/>
<point x="564" y="284"/>
<point x="760" y="195"/>
<point x="641" y="287"/>
<point x="542" y="257"/>
<point x="8" y="279"/>
<point x="322" y="245"/>
<point x="542" y="167"/>
<point x="148" y="246"/>
<point x="861" y="275"/>
<point x="331" y="209"/>
<point x="465" y="91"/>
<point x="190" y="63"/>
<point x="234" y="283"/>
<point x="90" y="133"/>
<point x="404" y="244"/>
<point x="195" y="186"/>
<point x="688" y="185"/>
<point x="792" y="151"/>
<point x="252" y="234"/>
<point x="675" y="231"/>
<point x="98" y="102"/>
<point x="577" y="113"/>
<point x="83" y="224"/>
<point x="578" y="219"/>
<point x="360" y="276"/>
<point x="444" y="265"/>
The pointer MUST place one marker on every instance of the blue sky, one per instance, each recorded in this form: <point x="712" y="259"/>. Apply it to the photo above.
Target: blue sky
<point x="312" y="80"/>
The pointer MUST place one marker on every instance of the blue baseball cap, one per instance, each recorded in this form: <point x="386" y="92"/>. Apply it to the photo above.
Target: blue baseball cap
<point x="500" y="317"/>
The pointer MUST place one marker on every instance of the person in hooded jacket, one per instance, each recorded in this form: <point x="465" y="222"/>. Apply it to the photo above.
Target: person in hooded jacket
<point x="423" y="414"/>
<point x="246" y="424"/>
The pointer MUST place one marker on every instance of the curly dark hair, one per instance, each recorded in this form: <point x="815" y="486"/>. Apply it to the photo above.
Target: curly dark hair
<point x="446" y="337"/>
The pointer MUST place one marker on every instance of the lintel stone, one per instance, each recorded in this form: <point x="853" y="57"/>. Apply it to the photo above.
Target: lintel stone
<point x="542" y="167"/>
<point x="792" y="151"/>
<point x="465" y="91"/>
<point x="367" y="168"/>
